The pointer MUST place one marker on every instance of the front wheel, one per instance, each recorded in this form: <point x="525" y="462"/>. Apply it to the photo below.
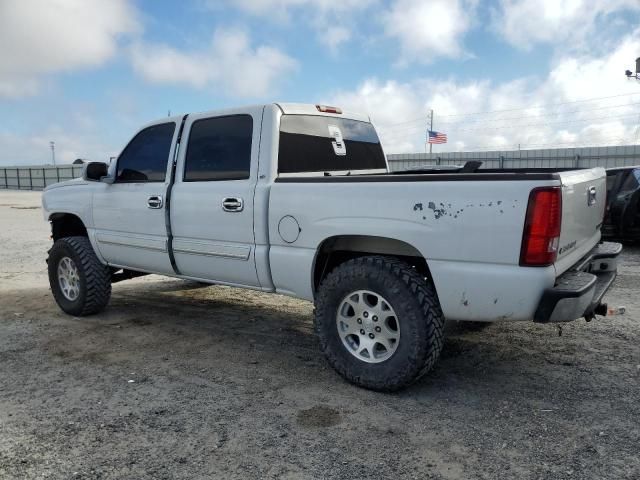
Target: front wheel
<point x="81" y="285"/>
<point x="379" y="322"/>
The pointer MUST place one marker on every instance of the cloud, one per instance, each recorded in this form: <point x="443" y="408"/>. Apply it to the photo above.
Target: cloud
<point x="427" y="30"/>
<point x="41" y="38"/>
<point x="34" y="149"/>
<point x="527" y="111"/>
<point x="94" y="130"/>
<point x="278" y="10"/>
<point x="284" y="10"/>
<point x="15" y="86"/>
<point x="332" y="21"/>
<point x="229" y="64"/>
<point x="524" y="23"/>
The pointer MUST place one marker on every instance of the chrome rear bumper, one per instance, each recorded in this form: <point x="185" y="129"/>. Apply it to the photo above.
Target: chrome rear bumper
<point x="579" y="291"/>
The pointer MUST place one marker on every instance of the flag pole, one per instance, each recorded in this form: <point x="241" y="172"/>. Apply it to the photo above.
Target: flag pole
<point x="431" y="130"/>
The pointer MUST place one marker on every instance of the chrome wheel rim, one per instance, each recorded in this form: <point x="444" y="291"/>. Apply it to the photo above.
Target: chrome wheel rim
<point x="68" y="278"/>
<point x="368" y="326"/>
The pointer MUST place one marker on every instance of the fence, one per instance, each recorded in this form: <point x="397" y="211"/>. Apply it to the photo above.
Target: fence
<point x="615" y="156"/>
<point x="36" y="178"/>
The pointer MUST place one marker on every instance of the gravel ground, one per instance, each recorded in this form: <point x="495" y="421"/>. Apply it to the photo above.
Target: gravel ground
<point x="176" y="380"/>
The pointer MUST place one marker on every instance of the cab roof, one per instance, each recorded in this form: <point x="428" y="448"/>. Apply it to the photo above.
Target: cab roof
<point x="285" y="108"/>
<point x="314" y="109"/>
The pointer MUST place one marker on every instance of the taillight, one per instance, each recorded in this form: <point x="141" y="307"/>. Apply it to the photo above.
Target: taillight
<point x="542" y="227"/>
<point x="328" y="109"/>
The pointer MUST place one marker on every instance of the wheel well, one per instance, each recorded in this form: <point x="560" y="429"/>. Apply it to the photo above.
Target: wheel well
<point x="336" y="250"/>
<point x="66" y="225"/>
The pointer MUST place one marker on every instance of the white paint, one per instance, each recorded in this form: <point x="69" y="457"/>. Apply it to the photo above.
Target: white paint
<point x="469" y="232"/>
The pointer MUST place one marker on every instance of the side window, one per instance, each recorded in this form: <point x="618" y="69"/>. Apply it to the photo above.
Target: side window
<point x="630" y="184"/>
<point x="219" y="148"/>
<point x="145" y="157"/>
<point x="611" y="181"/>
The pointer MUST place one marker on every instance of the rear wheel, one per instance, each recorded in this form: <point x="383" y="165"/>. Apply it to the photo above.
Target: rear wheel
<point x="379" y="322"/>
<point x="81" y="285"/>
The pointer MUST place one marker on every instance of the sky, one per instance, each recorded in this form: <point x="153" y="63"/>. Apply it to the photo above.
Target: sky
<point x="498" y="74"/>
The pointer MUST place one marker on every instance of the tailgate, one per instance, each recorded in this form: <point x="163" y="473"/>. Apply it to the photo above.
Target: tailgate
<point x="583" y="204"/>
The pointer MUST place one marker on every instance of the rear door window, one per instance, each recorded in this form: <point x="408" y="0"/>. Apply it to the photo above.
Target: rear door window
<point x="145" y="158"/>
<point x="219" y="148"/>
<point x="310" y="143"/>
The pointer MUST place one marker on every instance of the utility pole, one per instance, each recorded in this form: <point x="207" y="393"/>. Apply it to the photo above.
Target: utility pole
<point x="52" y="144"/>
<point x="431" y="130"/>
<point x="636" y="75"/>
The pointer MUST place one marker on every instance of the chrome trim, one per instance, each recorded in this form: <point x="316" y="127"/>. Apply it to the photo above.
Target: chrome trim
<point x="233" y="204"/>
<point x="155" y="201"/>
<point x="143" y="247"/>
<point x="237" y="252"/>
<point x="237" y="256"/>
<point x="156" y="245"/>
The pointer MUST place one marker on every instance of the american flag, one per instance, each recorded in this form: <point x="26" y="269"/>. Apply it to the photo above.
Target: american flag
<point x="436" y="137"/>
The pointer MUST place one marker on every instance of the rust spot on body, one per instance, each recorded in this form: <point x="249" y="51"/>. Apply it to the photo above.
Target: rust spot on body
<point x="463" y="300"/>
<point x="437" y="212"/>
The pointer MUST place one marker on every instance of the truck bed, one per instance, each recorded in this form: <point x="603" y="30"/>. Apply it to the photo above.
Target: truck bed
<point x="428" y="175"/>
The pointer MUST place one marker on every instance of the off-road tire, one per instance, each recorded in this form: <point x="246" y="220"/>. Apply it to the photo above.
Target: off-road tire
<point x="419" y="315"/>
<point x="95" y="278"/>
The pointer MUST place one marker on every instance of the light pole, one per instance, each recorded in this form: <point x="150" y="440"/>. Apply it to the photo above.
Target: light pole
<point x="52" y="144"/>
<point x="636" y="75"/>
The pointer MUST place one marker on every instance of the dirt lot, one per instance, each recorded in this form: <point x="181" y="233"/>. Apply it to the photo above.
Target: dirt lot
<point x="176" y="380"/>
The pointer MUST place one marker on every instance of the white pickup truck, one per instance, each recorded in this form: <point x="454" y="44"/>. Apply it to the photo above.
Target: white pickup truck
<point x="298" y="200"/>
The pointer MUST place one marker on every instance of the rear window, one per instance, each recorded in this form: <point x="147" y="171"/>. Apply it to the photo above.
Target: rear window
<point x="327" y="144"/>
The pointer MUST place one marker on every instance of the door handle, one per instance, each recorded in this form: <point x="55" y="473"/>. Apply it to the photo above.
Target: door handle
<point x="232" y="204"/>
<point x="154" y="201"/>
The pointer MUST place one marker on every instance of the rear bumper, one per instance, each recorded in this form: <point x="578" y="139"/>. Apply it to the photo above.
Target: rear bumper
<point x="578" y="292"/>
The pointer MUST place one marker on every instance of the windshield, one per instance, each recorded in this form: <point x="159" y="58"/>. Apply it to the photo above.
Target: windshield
<point x="311" y="143"/>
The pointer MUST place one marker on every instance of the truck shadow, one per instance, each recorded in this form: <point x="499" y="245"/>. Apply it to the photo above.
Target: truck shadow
<point x="274" y="335"/>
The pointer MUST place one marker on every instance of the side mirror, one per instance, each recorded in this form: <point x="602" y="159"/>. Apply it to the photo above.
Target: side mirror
<point x="95" y="171"/>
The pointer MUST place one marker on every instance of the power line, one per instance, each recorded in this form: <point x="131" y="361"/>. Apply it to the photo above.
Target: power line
<point x="545" y="124"/>
<point x="513" y="109"/>
<point x="520" y="117"/>
<point x="553" y="114"/>
<point x="415" y="129"/>
<point x="544" y="105"/>
<point x="582" y="144"/>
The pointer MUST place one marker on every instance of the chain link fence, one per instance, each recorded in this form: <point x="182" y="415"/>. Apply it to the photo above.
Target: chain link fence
<point x="588" y="157"/>
<point x="36" y="178"/>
